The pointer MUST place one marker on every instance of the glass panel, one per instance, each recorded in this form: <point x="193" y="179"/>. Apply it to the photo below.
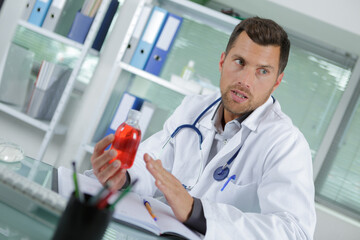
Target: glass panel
<point x="310" y="92"/>
<point x="339" y="179"/>
<point x="54" y="51"/>
<point x="200" y="43"/>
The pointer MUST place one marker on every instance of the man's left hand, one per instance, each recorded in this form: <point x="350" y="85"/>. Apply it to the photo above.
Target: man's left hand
<point x="176" y="195"/>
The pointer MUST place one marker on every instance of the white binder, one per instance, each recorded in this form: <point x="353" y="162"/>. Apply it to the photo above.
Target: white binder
<point x="53" y="15"/>
<point x="139" y="28"/>
<point x="28" y="9"/>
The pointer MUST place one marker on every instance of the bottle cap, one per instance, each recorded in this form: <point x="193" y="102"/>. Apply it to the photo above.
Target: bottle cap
<point x="134" y="114"/>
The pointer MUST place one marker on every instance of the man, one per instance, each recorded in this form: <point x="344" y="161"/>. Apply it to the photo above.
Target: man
<point x="268" y="191"/>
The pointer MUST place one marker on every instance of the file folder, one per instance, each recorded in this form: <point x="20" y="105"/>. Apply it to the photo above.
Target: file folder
<point x="128" y="101"/>
<point x="149" y="37"/>
<point x="163" y="44"/>
<point x="39" y="12"/>
<point x="80" y="27"/>
<point x="28" y="9"/>
<point x="139" y="28"/>
<point x="104" y="27"/>
<point x="53" y="14"/>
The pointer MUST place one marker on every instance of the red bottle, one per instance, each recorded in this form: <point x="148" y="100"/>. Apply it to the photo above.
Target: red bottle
<point x="127" y="139"/>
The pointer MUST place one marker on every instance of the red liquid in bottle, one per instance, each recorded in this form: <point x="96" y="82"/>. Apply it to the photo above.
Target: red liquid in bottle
<point x="126" y="143"/>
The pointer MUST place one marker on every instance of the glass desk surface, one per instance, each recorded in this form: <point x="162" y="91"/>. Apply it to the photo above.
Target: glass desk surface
<point x="16" y="225"/>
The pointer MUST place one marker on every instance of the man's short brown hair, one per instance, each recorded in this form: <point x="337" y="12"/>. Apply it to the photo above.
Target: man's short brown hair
<point x="263" y="32"/>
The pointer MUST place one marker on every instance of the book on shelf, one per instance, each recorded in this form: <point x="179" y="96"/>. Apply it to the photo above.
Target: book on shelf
<point x="131" y="209"/>
<point x="48" y="89"/>
<point x="105" y="25"/>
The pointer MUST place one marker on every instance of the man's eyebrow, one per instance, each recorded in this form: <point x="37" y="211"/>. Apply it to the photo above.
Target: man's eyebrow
<point x="265" y="66"/>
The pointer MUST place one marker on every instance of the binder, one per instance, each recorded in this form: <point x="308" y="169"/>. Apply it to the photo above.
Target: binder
<point x="128" y="101"/>
<point x="163" y="44"/>
<point x="80" y="27"/>
<point x="148" y="39"/>
<point x="104" y="27"/>
<point x="147" y="111"/>
<point x="48" y="89"/>
<point x="28" y="9"/>
<point x="39" y="12"/>
<point x="139" y="28"/>
<point x="53" y="14"/>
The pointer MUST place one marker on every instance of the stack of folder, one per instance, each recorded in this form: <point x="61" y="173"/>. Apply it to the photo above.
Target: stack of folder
<point x="48" y="89"/>
<point x="153" y="37"/>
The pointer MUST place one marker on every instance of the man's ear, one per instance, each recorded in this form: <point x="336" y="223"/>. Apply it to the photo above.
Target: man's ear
<point x="278" y="81"/>
<point x="222" y="60"/>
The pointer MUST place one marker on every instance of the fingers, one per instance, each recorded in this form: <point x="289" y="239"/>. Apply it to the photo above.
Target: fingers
<point x="102" y="144"/>
<point x="108" y="171"/>
<point x="178" y="198"/>
<point x="101" y="161"/>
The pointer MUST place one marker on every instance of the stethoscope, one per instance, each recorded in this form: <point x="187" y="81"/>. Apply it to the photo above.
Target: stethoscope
<point x="221" y="172"/>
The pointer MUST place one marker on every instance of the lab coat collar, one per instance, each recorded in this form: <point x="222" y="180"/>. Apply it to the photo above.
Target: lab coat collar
<point x="253" y="121"/>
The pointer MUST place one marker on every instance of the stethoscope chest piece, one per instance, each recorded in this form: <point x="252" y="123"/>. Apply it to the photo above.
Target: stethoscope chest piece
<point x="221" y="173"/>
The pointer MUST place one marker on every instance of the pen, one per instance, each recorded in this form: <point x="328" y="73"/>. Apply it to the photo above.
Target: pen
<point x="148" y="207"/>
<point x="104" y="201"/>
<point x="96" y="198"/>
<point x="76" y="185"/>
<point x="124" y="192"/>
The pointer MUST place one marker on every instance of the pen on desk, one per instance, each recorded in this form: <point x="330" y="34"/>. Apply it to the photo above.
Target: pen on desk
<point x="78" y="194"/>
<point x="124" y="192"/>
<point x="148" y="207"/>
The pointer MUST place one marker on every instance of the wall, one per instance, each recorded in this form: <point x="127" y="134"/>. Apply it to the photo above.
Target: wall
<point x="334" y="22"/>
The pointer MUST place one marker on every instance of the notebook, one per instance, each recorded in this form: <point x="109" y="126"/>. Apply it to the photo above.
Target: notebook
<point x="131" y="209"/>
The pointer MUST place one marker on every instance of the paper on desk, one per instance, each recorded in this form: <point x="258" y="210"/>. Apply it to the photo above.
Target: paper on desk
<point x="131" y="208"/>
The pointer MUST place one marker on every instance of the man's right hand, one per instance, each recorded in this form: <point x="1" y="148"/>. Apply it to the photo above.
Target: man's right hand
<point x="105" y="172"/>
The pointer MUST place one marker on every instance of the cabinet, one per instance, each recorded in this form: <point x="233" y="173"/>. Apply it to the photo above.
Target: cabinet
<point x="202" y="38"/>
<point x="76" y="55"/>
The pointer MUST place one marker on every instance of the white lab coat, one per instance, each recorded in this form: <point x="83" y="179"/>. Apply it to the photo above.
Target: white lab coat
<point x="272" y="196"/>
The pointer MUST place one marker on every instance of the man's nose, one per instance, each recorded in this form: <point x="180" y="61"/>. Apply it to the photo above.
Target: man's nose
<point x="246" y="77"/>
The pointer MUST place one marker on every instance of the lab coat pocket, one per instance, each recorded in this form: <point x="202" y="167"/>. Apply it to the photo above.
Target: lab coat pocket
<point x="243" y="197"/>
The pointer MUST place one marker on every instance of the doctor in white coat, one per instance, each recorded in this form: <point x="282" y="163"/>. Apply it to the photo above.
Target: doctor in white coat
<point x="245" y="171"/>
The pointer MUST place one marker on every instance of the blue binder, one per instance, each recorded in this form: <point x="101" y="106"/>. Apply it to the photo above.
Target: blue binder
<point x="163" y="44"/>
<point x="128" y="101"/>
<point x="39" y="12"/>
<point x="80" y="27"/>
<point x="104" y="27"/>
<point x="149" y="37"/>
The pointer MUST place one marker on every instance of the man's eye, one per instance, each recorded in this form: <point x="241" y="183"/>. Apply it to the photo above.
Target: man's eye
<point x="239" y="61"/>
<point x="263" y="71"/>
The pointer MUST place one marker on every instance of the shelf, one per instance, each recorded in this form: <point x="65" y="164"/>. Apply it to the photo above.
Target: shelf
<point x="42" y="125"/>
<point x="89" y="148"/>
<point x="154" y="79"/>
<point x="55" y="36"/>
<point x="201" y="13"/>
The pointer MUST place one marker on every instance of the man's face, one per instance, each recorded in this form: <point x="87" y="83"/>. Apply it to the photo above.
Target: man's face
<point x="249" y="74"/>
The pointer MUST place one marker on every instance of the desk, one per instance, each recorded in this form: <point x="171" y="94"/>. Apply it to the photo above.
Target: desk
<point x="15" y="225"/>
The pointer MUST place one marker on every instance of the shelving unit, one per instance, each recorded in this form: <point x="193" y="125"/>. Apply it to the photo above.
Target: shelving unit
<point x="53" y="127"/>
<point x="127" y="74"/>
